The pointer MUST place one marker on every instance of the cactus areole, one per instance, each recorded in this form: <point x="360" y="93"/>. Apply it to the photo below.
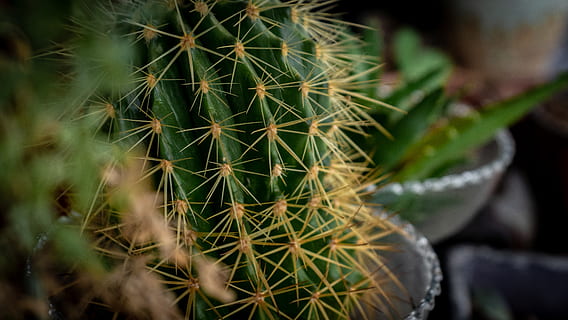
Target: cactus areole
<point x="241" y="110"/>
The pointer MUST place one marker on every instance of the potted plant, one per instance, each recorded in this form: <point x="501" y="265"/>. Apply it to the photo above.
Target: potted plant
<point x="442" y="159"/>
<point x="234" y="192"/>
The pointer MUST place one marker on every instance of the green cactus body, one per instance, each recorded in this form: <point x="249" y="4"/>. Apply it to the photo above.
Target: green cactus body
<point x="241" y="112"/>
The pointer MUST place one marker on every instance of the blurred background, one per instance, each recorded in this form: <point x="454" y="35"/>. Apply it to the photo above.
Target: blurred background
<point x="510" y="261"/>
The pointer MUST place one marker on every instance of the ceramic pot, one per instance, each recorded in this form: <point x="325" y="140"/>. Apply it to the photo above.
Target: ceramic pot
<point x="518" y="285"/>
<point x="507" y="40"/>
<point x="440" y="207"/>
<point x="413" y="262"/>
<point x="416" y="265"/>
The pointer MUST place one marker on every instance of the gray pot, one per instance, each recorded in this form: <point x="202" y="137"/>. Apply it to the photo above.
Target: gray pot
<point x="514" y="283"/>
<point x="416" y="265"/>
<point x="440" y="207"/>
<point x="507" y="40"/>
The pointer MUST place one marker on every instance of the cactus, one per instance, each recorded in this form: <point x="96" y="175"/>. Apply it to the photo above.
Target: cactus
<point x="239" y="112"/>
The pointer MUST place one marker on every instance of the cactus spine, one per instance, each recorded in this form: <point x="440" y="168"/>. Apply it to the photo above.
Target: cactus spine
<point x="241" y="109"/>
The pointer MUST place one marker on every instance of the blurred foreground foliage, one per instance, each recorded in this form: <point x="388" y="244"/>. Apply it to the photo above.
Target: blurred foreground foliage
<point x="49" y="157"/>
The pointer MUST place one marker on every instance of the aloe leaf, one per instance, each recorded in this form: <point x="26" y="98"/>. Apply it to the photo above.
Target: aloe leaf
<point x="463" y="134"/>
<point x="406" y="96"/>
<point x="408" y="130"/>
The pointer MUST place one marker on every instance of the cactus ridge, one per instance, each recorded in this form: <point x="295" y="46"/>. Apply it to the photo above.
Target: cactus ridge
<point x="242" y="110"/>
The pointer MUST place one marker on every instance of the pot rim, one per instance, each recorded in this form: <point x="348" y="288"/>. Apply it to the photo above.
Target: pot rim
<point x="505" y="153"/>
<point x="431" y="264"/>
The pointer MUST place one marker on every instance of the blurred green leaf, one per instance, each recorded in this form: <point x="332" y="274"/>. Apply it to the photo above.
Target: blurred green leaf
<point x="367" y="68"/>
<point x="75" y="250"/>
<point x="413" y="59"/>
<point x="490" y="304"/>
